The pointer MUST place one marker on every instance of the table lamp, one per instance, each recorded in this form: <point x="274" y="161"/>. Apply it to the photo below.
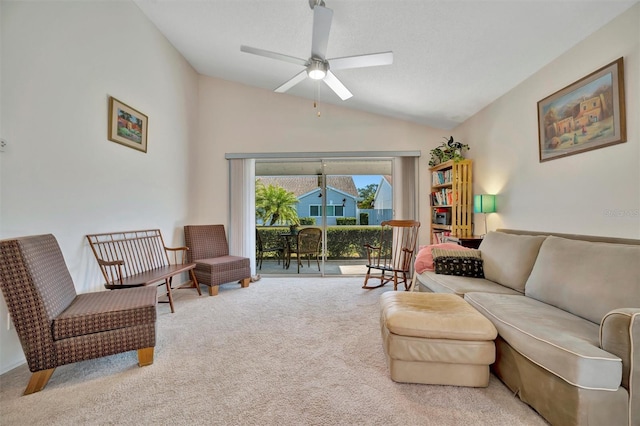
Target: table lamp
<point x="484" y="203"/>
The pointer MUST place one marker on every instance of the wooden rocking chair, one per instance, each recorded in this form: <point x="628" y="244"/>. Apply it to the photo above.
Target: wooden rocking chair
<point x="393" y="253"/>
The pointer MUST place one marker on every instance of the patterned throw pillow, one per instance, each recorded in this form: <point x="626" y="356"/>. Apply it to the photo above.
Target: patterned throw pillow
<point x="424" y="258"/>
<point x="464" y="263"/>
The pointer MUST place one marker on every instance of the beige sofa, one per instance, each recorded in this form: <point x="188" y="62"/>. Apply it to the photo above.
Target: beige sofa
<point x="567" y="311"/>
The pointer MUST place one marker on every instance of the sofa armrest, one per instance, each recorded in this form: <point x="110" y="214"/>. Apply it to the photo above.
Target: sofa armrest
<point x="620" y="335"/>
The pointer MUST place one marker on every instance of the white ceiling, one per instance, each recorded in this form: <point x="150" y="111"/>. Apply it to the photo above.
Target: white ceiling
<point x="451" y="58"/>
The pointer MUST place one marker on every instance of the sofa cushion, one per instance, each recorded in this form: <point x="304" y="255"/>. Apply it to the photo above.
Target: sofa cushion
<point x="585" y="278"/>
<point x="561" y="343"/>
<point x="508" y="258"/>
<point x="438" y="283"/>
<point x="106" y="310"/>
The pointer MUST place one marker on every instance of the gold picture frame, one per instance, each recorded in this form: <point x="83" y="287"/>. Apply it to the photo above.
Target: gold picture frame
<point x="586" y="115"/>
<point x="127" y="126"/>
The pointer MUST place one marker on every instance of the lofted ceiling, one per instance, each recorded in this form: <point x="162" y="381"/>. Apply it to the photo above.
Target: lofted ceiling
<point x="451" y="58"/>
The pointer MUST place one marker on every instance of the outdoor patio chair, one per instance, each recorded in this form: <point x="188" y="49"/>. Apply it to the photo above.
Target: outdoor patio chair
<point x="267" y="247"/>
<point x="55" y="325"/>
<point x="308" y="243"/>
<point x="393" y="254"/>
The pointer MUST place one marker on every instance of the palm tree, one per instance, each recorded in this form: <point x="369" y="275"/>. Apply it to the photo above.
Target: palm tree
<point x="275" y="205"/>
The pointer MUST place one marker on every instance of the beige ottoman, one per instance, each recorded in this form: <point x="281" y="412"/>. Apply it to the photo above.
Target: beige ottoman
<point x="436" y="339"/>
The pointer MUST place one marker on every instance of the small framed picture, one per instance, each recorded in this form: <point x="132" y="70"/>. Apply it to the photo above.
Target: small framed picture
<point x="127" y="126"/>
<point x="586" y="115"/>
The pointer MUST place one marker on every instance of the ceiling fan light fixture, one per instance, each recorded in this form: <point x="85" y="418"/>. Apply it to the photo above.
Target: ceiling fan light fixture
<point x="318" y="67"/>
<point x="317" y="70"/>
<point x="317" y="74"/>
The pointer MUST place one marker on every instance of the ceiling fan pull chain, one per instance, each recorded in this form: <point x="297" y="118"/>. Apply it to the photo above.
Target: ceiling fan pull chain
<point x="316" y="99"/>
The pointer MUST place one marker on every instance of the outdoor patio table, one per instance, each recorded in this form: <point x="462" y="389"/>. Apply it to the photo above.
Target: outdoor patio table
<point x="290" y="240"/>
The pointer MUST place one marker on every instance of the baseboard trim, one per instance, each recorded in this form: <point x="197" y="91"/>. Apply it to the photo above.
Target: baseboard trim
<point x="9" y="367"/>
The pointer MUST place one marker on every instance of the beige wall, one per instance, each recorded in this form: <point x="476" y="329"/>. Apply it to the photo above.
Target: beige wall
<point x="235" y="118"/>
<point x="596" y="192"/>
<point x="59" y="173"/>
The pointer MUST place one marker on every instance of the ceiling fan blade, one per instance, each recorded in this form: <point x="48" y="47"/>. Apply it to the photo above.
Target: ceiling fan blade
<point x="321" y="26"/>
<point x="361" y="61"/>
<point x="292" y="82"/>
<point x="274" y="55"/>
<point x="337" y="86"/>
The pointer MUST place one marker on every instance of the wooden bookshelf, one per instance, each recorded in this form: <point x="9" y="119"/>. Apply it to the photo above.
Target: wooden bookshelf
<point x="451" y="200"/>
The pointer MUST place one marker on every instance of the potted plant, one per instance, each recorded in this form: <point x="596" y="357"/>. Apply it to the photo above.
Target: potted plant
<point x="448" y="150"/>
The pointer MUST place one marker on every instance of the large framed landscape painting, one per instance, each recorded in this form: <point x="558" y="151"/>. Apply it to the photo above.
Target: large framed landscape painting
<point x="588" y="114"/>
<point x="127" y="126"/>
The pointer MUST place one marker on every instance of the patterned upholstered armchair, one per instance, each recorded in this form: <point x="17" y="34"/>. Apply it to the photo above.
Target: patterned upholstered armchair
<point x="55" y="325"/>
<point x="209" y="250"/>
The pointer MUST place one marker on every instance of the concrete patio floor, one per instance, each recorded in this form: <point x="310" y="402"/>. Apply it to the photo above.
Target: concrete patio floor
<point x="331" y="267"/>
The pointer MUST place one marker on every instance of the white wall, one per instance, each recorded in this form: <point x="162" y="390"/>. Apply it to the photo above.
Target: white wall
<point x="573" y="194"/>
<point x="60" y="62"/>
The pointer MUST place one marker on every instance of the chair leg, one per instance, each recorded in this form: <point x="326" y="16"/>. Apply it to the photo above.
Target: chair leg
<point x="213" y="290"/>
<point x="412" y="287"/>
<point x="194" y="280"/>
<point x="245" y="282"/>
<point x="38" y="381"/>
<point x="145" y="356"/>
<point x="366" y="279"/>
<point x="167" y="283"/>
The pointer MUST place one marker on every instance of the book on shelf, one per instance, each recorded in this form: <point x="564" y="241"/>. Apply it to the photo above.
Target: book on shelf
<point x="441" y="177"/>
<point x="443" y="197"/>
<point x="440" y="236"/>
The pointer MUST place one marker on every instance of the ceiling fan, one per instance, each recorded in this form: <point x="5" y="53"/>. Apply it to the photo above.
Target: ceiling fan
<point x="317" y="67"/>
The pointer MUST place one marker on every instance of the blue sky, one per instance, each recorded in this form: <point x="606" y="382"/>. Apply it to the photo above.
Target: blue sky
<point x="362" y="181"/>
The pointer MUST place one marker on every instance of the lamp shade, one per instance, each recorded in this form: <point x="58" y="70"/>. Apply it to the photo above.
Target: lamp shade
<point x="484" y="203"/>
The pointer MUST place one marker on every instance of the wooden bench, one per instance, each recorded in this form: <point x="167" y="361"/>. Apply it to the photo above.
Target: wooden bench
<point x="140" y="258"/>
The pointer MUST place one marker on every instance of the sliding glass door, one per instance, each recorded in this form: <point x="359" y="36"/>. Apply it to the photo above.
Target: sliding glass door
<point x="345" y="199"/>
<point x="395" y="196"/>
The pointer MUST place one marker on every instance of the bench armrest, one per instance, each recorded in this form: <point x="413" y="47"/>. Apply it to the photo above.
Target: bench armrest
<point x="176" y="248"/>
<point x="110" y="263"/>
<point x="619" y="334"/>
<point x="178" y="255"/>
<point x="111" y="270"/>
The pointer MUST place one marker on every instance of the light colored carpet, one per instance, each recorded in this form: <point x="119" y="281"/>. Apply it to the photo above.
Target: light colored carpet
<point x="285" y="351"/>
